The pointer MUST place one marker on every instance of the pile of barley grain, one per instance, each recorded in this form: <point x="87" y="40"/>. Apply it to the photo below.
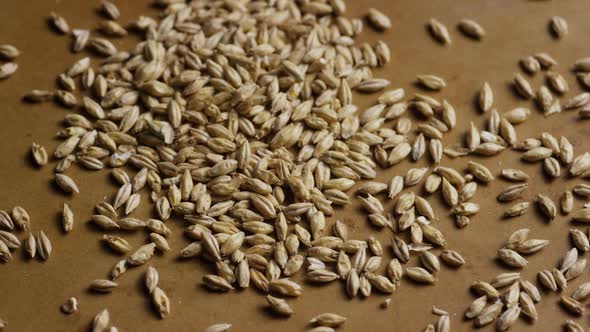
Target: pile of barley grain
<point x="238" y="116"/>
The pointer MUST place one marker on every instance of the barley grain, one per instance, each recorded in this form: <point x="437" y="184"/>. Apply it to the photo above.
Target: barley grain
<point x="7" y="69"/>
<point x="39" y="154"/>
<point x="572" y="306"/>
<point x="546" y="206"/>
<point x="471" y="29"/>
<point x="571" y="326"/>
<point x="523" y="87"/>
<point x="438" y="31"/>
<point x="420" y="275"/>
<point x="70" y="306"/>
<point x="379" y="20"/>
<point x="545" y="59"/>
<point x="279" y="306"/>
<point x="66" y="183"/>
<point x="101" y="321"/>
<point x="530" y="64"/>
<point x="558" y="26"/>
<point x="44" y="247"/>
<point x="221" y="327"/>
<point x="488" y="314"/>
<point x="431" y="82"/>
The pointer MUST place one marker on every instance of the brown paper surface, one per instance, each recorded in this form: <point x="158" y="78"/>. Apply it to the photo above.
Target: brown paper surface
<point x="32" y="291"/>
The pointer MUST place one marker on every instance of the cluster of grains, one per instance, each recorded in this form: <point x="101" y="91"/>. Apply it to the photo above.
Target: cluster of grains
<point x="518" y="299"/>
<point x="13" y="222"/>
<point x="570" y="268"/>
<point x="8" y="55"/>
<point x="554" y="154"/>
<point x="244" y="125"/>
<point x="547" y="96"/>
<point x="159" y="298"/>
<point x="239" y="118"/>
<point x="517" y="245"/>
<point x="470" y="28"/>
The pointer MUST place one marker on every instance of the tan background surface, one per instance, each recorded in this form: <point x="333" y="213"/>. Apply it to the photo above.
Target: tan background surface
<point x="31" y="291"/>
